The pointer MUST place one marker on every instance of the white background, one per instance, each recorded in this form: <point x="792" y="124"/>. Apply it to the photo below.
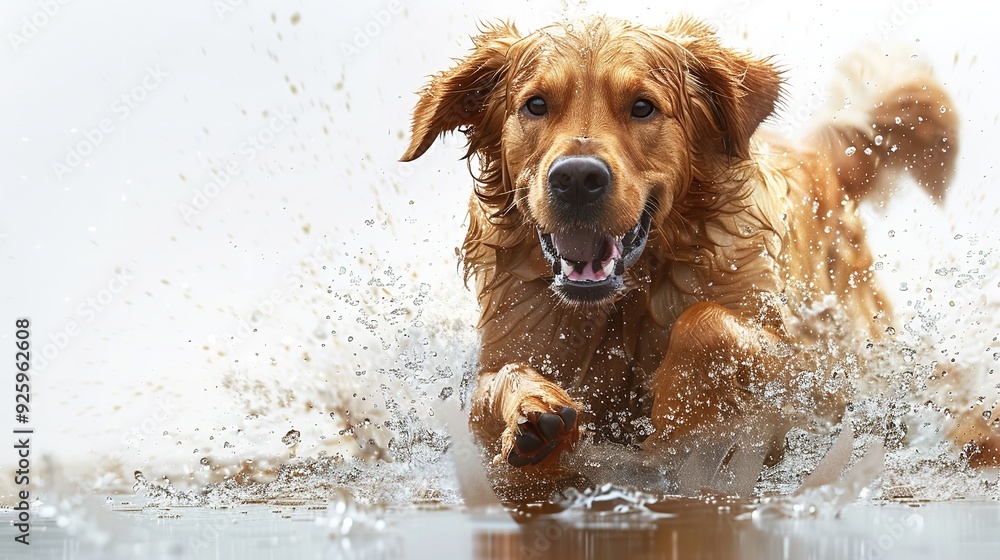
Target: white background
<point x="330" y="183"/>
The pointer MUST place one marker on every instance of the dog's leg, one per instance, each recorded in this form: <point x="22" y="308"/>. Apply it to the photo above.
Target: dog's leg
<point x="712" y="358"/>
<point x="523" y="417"/>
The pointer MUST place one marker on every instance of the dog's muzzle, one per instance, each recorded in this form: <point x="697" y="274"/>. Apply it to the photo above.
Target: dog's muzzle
<point x="588" y="267"/>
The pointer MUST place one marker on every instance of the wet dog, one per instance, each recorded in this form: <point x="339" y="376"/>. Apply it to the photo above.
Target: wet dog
<point x="645" y="260"/>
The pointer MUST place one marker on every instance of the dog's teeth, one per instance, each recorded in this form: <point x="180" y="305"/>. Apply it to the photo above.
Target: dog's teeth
<point x="609" y="267"/>
<point x="566" y="266"/>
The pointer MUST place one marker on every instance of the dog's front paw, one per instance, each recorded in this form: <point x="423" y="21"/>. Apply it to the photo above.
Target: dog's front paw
<point x="540" y="434"/>
<point x="523" y="417"/>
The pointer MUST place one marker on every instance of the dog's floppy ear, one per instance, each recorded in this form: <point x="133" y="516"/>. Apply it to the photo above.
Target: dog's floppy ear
<point x="739" y="90"/>
<point x="457" y="97"/>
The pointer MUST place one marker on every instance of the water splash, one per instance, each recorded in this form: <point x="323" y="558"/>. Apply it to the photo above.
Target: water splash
<point x="605" y="498"/>
<point x="354" y="407"/>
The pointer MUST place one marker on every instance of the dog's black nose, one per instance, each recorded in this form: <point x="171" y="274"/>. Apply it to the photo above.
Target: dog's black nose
<point x="579" y="180"/>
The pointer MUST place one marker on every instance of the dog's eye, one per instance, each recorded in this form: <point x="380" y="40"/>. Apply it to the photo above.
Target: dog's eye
<point x="536" y="106"/>
<point x="642" y="109"/>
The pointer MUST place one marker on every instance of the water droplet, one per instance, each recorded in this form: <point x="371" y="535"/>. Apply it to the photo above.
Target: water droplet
<point x="892" y="233"/>
<point x="908" y="354"/>
<point x="868" y="151"/>
<point x="850" y="151"/>
<point x="291" y="438"/>
<point x="987" y="414"/>
<point x="899" y="120"/>
<point x="903" y="287"/>
<point x="878" y="140"/>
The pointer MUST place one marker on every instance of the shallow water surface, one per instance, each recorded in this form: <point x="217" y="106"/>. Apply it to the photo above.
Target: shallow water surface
<point x="673" y="528"/>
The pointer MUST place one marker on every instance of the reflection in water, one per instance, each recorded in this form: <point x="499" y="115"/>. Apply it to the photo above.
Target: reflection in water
<point x="672" y="528"/>
<point x="681" y="528"/>
<point x="721" y="529"/>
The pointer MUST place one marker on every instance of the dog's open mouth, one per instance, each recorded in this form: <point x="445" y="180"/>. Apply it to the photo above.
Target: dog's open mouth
<point x="588" y="267"/>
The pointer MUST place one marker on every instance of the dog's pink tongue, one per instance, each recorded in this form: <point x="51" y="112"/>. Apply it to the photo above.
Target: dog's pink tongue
<point x="580" y="246"/>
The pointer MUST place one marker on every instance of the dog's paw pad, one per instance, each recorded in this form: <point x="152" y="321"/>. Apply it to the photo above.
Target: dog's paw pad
<point x="549" y="425"/>
<point x="528" y="442"/>
<point x="568" y="415"/>
<point x="539" y="434"/>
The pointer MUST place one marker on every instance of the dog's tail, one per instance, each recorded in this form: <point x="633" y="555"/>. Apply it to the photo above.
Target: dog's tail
<point x="891" y="118"/>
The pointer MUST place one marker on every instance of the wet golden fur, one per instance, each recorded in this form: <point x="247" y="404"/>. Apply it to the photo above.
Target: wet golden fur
<point x="749" y="232"/>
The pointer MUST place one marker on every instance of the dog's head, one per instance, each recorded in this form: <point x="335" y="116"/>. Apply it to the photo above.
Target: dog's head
<point x="592" y="132"/>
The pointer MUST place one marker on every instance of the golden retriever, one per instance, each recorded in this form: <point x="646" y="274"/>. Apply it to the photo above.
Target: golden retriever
<point x="639" y="249"/>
